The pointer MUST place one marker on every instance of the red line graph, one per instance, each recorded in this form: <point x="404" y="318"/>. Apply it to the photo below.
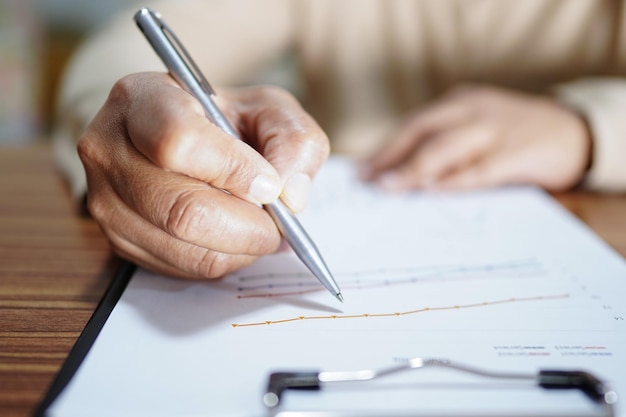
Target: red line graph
<point x="293" y="284"/>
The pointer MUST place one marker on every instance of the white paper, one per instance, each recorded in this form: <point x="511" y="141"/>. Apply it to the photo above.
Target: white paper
<point x="503" y="279"/>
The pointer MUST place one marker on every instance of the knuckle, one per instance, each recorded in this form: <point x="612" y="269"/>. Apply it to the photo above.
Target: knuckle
<point x="95" y="145"/>
<point x="170" y="148"/>
<point x="318" y="141"/>
<point x="211" y="265"/>
<point x="97" y="207"/>
<point x="187" y="217"/>
<point x="88" y="149"/>
<point x="122" y="90"/>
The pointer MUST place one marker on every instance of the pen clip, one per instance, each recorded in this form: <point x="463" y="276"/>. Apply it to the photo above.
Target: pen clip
<point x="182" y="52"/>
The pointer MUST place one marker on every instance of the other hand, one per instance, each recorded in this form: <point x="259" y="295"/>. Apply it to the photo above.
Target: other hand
<point x="478" y="137"/>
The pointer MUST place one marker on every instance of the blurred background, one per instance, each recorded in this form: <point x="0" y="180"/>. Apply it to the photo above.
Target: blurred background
<point x="36" y="39"/>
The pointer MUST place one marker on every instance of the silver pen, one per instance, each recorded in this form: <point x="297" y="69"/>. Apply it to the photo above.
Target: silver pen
<point x="184" y="70"/>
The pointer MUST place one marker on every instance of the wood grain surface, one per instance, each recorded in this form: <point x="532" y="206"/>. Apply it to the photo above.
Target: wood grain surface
<point x="55" y="265"/>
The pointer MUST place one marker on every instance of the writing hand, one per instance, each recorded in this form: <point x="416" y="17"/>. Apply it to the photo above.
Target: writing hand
<point x="156" y="169"/>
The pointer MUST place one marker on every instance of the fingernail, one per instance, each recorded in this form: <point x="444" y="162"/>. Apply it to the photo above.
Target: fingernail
<point x="296" y="191"/>
<point x="264" y="189"/>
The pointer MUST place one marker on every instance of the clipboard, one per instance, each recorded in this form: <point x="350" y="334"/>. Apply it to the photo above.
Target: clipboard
<point x="599" y="396"/>
<point x="88" y="336"/>
<point x="284" y="386"/>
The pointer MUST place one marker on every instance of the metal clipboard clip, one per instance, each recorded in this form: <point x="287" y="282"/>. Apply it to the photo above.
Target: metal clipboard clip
<point x="598" y="397"/>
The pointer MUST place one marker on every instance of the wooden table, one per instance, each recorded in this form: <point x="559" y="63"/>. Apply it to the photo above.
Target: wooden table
<point x="55" y="265"/>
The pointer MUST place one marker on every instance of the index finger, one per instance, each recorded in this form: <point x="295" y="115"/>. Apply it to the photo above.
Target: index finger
<point x="275" y="124"/>
<point x="169" y="127"/>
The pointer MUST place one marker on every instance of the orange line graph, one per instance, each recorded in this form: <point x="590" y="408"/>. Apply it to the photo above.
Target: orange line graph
<point x="403" y="313"/>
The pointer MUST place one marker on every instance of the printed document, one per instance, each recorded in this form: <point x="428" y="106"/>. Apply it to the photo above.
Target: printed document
<point x="504" y="279"/>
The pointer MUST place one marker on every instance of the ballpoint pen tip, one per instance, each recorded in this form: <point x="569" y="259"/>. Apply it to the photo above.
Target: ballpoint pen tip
<point x="339" y="297"/>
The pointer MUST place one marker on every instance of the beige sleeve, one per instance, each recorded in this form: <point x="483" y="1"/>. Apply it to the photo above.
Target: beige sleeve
<point x="229" y="39"/>
<point x="602" y="101"/>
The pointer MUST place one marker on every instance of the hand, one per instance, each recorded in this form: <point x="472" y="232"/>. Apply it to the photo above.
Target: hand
<point x="478" y="137"/>
<point x="157" y="167"/>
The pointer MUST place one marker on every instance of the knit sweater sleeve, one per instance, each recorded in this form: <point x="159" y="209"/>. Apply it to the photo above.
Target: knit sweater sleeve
<point x="602" y="101"/>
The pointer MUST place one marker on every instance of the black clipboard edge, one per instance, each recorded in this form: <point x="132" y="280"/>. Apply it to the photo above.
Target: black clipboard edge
<point x="88" y="336"/>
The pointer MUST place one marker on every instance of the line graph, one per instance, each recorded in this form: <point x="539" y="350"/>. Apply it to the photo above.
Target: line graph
<point x="300" y="283"/>
<point x="402" y="313"/>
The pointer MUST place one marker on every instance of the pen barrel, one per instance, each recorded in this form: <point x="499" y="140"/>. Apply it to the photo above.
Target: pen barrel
<point x="302" y="244"/>
<point x="185" y="71"/>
